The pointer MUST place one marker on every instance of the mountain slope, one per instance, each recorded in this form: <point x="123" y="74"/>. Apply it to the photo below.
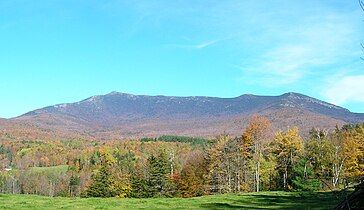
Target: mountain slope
<point x="119" y="115"/>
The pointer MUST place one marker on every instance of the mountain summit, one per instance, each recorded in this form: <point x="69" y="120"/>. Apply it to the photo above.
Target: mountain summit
<point x="128" y="115"/>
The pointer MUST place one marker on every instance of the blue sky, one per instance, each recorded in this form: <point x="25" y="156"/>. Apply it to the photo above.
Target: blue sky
<point x="60" y="51"/>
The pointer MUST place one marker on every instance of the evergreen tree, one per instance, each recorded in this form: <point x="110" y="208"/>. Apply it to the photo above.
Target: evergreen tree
<point x="158" y="171"/>
<point x="106" y="182"/>
<point x="101" y="184"/>
<point x="140" y="188"/>
<point x="73" y="184"/>
<point x="304" y="178"/>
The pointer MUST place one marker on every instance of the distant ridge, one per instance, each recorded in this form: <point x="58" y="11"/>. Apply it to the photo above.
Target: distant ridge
<point x="123" y="115"/>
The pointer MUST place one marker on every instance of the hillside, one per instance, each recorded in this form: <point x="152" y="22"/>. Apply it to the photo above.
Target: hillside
<point x="121" y="115"/>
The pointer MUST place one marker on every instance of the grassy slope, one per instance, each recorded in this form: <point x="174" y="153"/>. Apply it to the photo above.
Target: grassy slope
<point x="264" y="200"/>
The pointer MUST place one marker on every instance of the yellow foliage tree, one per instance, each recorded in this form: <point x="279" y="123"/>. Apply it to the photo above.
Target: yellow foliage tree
<point x="287" y="147"/>
<point x="255" y="138"/>
<point x="353" y="152"/>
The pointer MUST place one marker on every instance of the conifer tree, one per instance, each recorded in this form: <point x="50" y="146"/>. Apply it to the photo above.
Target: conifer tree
<point x="101" y="184"/>
<point x="303" y="177"/>
<point x="158" y="171"/>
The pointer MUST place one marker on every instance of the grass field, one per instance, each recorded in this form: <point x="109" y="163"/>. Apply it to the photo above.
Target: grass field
<point x="264" y="200"/>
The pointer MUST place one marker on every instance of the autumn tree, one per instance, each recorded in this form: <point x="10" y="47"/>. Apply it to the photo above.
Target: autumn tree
<point x="105" y="181"/>
<point x="287" y="148"/>
<point x="353" y="151"/>
<point x="191" y="182"/>
<point x="102" y="180"/>
<point x="320" y="154"/>
<point x="268" y="172"/>
<point x="256" y="136"/>
<point x="228" y="168"/>
<point x="336" y="156"/>
<point x="224" y="168"/>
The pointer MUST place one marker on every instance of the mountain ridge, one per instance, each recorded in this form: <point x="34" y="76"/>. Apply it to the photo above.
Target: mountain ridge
<point x="128" y="115"/>
<point x="213" y="97"/>
<point x="289" y="98"/>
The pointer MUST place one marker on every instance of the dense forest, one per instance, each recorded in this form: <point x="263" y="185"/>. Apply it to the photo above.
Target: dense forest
<point x="175" y="166"/>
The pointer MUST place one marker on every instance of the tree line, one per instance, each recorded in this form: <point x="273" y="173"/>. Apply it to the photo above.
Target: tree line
<point x="258" y="160"/>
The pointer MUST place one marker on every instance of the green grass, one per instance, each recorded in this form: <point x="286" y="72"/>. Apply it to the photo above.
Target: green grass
<point x="263" y="200"/>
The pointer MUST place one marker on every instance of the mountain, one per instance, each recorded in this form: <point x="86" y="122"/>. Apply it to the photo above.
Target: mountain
<point x="2" y="121"/>
<point x="122" y="115"/>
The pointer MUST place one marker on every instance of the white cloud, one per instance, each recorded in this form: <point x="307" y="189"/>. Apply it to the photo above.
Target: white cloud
<point x="198" y="46"/>
<point x="346" y="89"/>
<point x="273" y="44"/>
<point x="304" y="49"/>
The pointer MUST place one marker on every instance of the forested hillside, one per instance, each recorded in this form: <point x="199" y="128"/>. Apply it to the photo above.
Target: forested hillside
<point x="175" y="166"/>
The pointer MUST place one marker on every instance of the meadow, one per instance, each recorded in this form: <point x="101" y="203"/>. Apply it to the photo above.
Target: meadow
<point x="262" y="200"/>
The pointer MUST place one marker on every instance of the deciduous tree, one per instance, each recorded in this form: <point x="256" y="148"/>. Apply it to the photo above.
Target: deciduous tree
<point x="257" y="135"/>
<point x="287" y="147"/>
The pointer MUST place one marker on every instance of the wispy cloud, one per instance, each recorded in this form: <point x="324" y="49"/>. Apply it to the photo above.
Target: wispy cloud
<point x="198" y="46"/>
<point x="305" y="49"/>
<point x="346" y="89"/>
<point x="278" y="43"/>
